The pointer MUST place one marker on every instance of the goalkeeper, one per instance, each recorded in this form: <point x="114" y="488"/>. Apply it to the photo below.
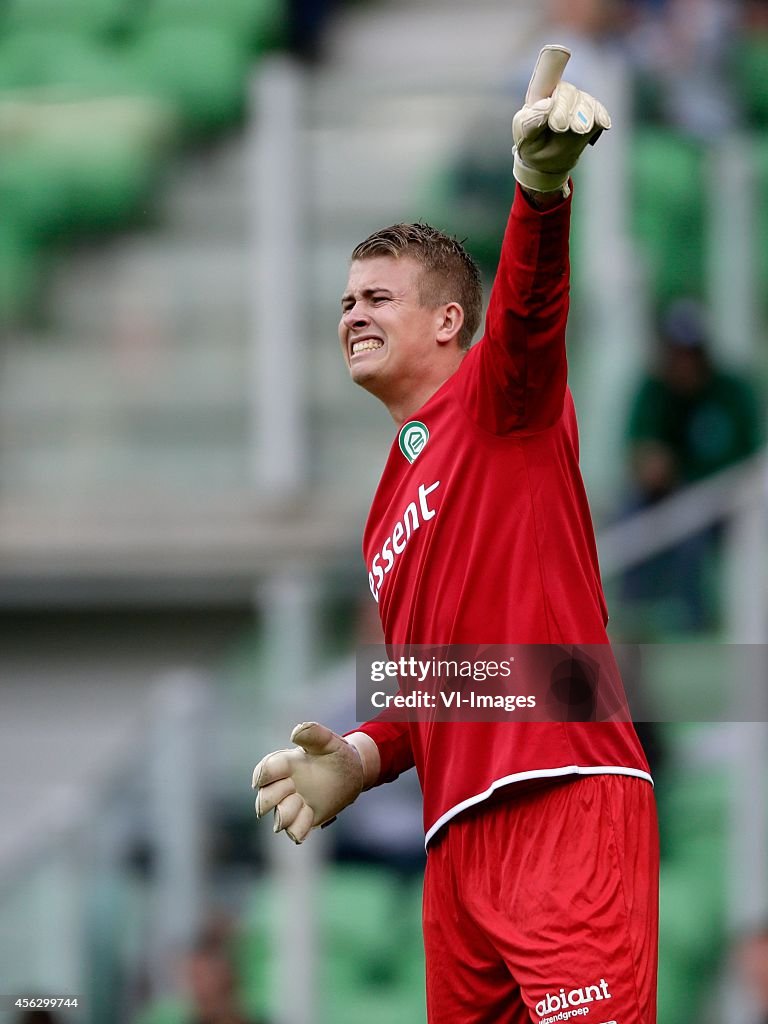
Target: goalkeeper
<point x="541" y="886"/>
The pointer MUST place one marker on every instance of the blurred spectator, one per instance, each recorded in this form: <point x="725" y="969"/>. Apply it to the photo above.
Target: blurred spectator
<point x="752" y="963"/>
<point x="594" y="32"/>
<point x="588" y="19"/>
<point x="306" y="20"/>
<point x="689" y="419"/>
<point x="756" y="15"/>
<point x="681" y="50"/>
<point x="749" y="64"/>
<point x="209" y="977"/>
<point x="209" y="983"/>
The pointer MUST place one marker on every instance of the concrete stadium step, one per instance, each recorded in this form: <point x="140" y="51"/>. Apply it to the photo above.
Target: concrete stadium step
<point x="64" y="372"/>
<point x="150" y="282"/>
<point x="207" y="193"/>
<point x="453" y="39"/>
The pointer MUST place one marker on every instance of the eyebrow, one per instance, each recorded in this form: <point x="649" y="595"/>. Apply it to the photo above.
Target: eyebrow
<point x="366" y="294"/>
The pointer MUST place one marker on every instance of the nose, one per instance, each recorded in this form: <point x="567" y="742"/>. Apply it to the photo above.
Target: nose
<point x="354" y="319"/>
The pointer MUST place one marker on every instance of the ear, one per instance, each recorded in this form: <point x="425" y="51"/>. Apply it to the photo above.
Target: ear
<point x="451" y="320"/>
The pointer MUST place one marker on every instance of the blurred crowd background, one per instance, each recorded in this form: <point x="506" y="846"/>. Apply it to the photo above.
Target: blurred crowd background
<point x="185" y="471"/>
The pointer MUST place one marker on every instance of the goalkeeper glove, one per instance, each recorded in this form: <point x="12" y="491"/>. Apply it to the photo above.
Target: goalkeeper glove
<point x="309" y="784"/>
<point x="554" y="125"/>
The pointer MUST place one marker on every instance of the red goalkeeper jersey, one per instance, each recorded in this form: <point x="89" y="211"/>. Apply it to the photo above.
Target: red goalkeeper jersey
<point x="480" y="532"/>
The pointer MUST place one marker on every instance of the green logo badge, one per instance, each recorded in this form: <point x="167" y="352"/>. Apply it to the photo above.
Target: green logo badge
<point x="413" y="437"/>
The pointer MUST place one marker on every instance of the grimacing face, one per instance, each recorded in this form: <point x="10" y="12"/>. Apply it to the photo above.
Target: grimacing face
<point x="388" y="338"/>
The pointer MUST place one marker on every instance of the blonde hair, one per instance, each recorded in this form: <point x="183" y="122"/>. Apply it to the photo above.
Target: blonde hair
<point x="449" y="272"/>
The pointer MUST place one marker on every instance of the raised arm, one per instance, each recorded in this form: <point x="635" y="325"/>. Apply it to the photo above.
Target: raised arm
<point x="521" y="379"/>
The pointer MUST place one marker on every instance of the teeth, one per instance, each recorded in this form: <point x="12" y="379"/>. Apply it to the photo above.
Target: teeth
<point x="366" y="346"/>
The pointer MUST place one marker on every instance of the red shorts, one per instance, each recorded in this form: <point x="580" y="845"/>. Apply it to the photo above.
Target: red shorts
<point x="544" y="907"/>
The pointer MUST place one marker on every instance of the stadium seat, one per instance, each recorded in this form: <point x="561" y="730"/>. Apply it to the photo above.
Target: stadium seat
<point x="693" y="814"/>
<point x="690" y="936"/>
<point x="374" y="957"/>
<point x="202" y="71"/>
<point x="33" y="191"/>
<point x="109" y="188"/>
<point x="65" y="170"/>
<point x="749" y="68"/>
<point x="63" y="63"/>
<point x="259" y="24"/>
<point x="164" y="1011"/>
<point x="668" y="215"/>
<point x="20" y="267"/>
<point x="98" y="19"/>
<point x="79" y="165"/>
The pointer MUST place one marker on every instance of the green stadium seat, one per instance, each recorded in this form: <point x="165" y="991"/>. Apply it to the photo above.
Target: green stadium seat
<point x="20" y="266"/>
<point x="690" y="938"/>
<point x="79" y="166"/>
<point x="257" y="24"/>
<point x="109" y="188"/>
<point x="88" y="110"/>
<point x="749" y="71"/>
<point x="95" y="18"/>
<point x="374" y="956"/>
<point x="360" y="948"/>
<point x="380" y="1007"/>
<point x="201" y="71"/>
<point x="668" y="215"/>
<point x="62" y="62"/>
<point x="693" y="818"/>
<point x="164" y="1011"/>
<point x="34" y="192"/>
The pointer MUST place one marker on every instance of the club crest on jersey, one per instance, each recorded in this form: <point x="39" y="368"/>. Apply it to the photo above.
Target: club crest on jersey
<point x="413" y="437"/>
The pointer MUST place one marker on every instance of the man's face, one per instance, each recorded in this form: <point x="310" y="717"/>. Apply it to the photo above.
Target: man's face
<point x="753" y="956"/>
<point x="686" y="370"/>
<point x="209" y="980"/>
<point x="387" y="336"/>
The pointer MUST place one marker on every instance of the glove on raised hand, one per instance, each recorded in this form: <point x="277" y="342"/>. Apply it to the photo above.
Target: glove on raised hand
<point x="309" y="784"/>
<point x="554" y="125"/>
